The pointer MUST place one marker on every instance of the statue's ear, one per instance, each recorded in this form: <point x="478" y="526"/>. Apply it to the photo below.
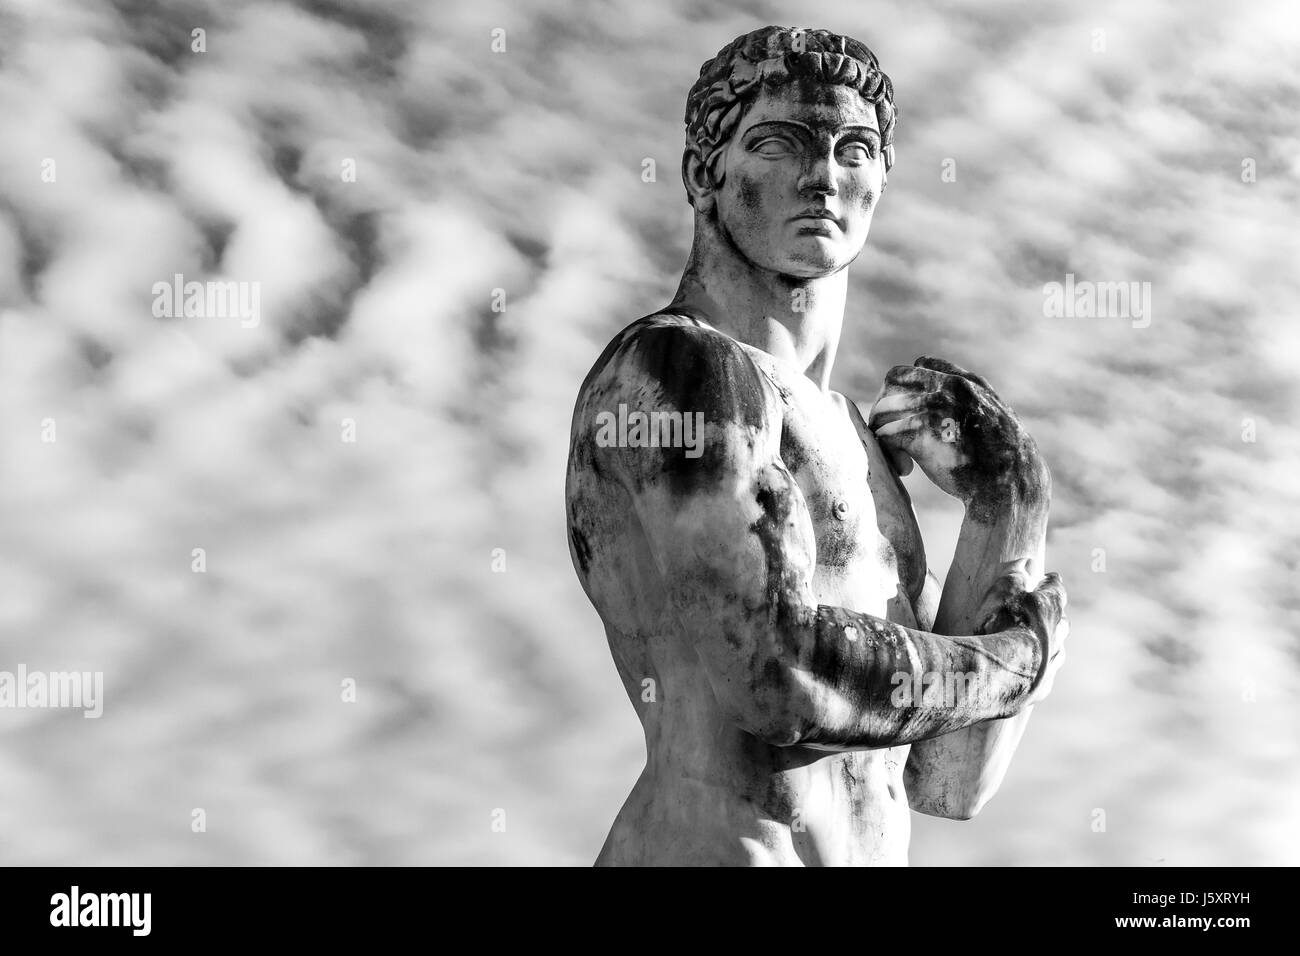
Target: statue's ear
<point x="699" y="184"/>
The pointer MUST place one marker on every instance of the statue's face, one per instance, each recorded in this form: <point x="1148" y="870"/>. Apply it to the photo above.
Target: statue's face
<point x="802" y="175"/>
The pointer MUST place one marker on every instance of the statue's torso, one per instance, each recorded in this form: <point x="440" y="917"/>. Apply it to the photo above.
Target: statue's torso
<point x="712" y="793"/>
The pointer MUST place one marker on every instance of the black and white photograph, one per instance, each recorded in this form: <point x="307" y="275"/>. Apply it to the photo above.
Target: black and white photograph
<point x="680" y="434"/>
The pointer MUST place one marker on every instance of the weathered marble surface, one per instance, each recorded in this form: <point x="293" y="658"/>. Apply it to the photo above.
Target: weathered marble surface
<point x="764" y="587"/>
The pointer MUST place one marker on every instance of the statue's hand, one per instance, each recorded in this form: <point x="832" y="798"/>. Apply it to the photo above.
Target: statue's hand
<point x="966" y="439"/>
<point x="1010" y="603"/>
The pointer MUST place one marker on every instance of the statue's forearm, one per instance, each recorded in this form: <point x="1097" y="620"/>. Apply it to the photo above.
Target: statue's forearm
<point x="955" y="774"/>
<point x="853" y="681"/>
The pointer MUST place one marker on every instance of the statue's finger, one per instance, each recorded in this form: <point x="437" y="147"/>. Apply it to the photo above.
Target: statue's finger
<point x="1052" y="593"/>
<point x="911" y="377"/>
<point x="903" y="430"/>
<point x="950" y="368"/>
<point x="1052" y="582"/>
<point x="894" y="406"/>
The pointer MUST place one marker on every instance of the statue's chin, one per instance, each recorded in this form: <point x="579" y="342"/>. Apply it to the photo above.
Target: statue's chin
<point x="816" y="258"/>
<point x="812" y="268"/>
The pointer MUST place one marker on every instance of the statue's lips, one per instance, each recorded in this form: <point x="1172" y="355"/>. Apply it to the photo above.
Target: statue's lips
<point x="823" y="219"/>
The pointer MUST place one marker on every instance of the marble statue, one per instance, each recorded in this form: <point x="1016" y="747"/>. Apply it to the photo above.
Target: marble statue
<point x="742" y="529"/>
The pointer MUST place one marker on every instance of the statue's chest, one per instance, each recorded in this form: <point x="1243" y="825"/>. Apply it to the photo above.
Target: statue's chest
<point x="868" y="542"/>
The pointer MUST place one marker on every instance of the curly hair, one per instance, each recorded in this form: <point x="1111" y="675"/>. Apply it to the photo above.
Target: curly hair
<point x="732" y="80"/>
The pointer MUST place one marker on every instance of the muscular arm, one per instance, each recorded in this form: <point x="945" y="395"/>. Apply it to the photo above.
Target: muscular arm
<point x="955" y="775"/>
<point x="731" y="537"/>
<point x="1004" y="531"/>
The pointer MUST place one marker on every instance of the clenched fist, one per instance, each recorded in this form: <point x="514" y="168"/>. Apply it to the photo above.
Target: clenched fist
<point x="1010" y="603"/>
<point x="964" y="437"/>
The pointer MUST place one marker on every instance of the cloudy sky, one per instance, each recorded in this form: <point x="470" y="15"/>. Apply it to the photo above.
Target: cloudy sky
<point x="1156" y="144"/>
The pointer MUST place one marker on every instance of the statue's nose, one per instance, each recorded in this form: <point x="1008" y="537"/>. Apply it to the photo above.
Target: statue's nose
<point x="817" y="178"/>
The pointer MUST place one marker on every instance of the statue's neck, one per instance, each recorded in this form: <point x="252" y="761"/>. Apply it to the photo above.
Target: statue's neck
<point x="795" y="320"/>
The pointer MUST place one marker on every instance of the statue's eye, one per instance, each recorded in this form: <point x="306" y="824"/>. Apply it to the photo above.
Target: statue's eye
<point x="858" y="151"/>
<point x="772" y="146"/>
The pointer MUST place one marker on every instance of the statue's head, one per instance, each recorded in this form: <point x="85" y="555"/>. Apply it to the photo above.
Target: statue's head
<point x="782" y="125"/>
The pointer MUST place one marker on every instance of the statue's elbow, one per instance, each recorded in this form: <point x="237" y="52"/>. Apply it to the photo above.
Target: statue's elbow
<point x="952" y="806"/>
<point x="964" y="811"/>
<point x="946" y="811"/>
<point x="970" y="804"/>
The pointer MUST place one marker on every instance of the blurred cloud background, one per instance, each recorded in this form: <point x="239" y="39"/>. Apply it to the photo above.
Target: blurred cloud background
<point x="521" y="170"/>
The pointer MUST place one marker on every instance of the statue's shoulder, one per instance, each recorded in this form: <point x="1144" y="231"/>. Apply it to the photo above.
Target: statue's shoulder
<point x="687" y="362"/>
